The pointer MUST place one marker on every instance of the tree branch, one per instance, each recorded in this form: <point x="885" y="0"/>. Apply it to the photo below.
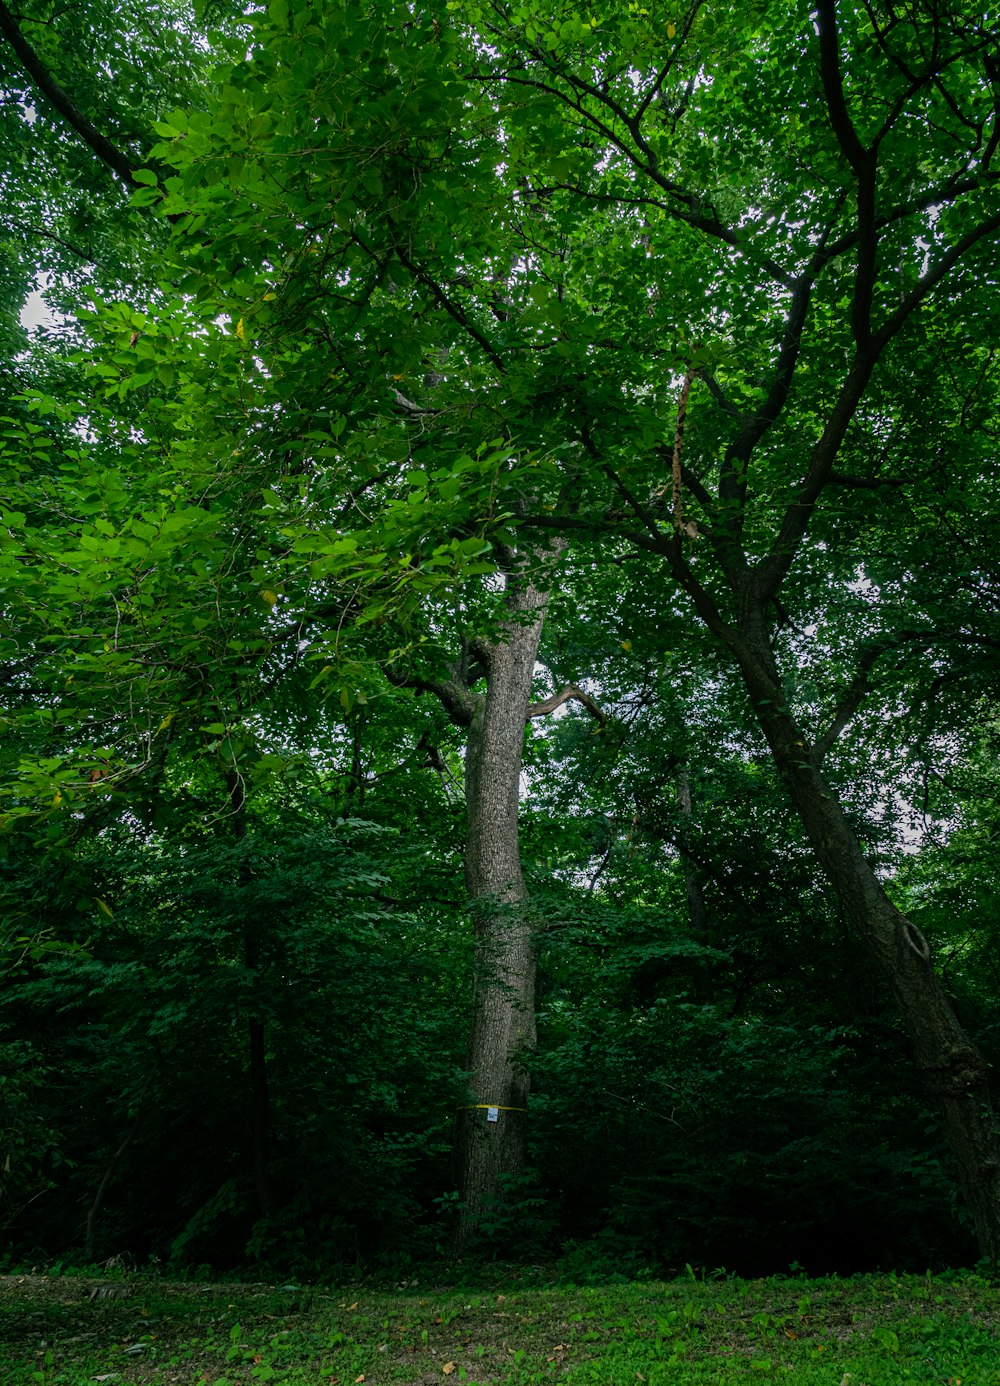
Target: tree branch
<point x="863" y="162"/>
<point x="931" y="280"/>
<point x="772" y="570"/>
<point x="58" y="98"/>
<point x="47" y="235"/>
<point x="569" y="692"/>
<point x="946" y="193"/>
<point x="454" y="696"/>
<point x="663" y="545"/>
<point x="860" y="684"/>
<point x="664" y="71"/>
<point x="732" y="476"/>
<point x="851" y="701"/>
<point x="833" y="86"/>
<point x="685" y="206"/>
<point x="453" y="309"/>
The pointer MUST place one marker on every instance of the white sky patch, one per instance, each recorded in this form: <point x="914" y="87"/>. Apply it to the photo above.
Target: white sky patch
<point x="36" y="312"/>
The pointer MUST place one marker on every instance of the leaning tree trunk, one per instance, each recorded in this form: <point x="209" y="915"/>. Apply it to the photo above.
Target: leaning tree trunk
<point x="956" y="1074"/>
<point x="490" y="1131"/>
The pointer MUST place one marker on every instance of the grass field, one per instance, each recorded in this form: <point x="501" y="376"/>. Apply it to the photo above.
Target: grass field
<point x="866" y="1331"/>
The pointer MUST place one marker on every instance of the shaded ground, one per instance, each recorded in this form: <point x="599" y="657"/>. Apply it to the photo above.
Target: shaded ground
<point x="869" y="1331"/>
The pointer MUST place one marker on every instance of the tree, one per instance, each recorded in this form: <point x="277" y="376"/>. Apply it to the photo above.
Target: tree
<point x="490" y="1139"/>
<point x="624" y="214"/>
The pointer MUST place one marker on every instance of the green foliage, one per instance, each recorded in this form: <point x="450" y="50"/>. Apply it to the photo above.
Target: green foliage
<point x="30" y="1150"/>
<point x="677" y="1133"/>
<point x="291" y="928"/>
<point x="397" y="291"/>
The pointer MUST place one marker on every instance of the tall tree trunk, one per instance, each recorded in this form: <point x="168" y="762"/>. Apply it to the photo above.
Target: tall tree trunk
<point x="490" y="1131"/>
<point x="956" y="1074"/>
<point x="260" y="1103"/>
<point x="697" y="914"/>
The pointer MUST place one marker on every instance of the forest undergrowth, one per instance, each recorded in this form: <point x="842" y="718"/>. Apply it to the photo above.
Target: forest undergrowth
<point x="872" y="1330"/>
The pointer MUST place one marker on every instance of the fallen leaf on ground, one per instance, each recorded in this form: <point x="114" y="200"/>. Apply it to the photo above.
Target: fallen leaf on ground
<point x="448" y="1368"/>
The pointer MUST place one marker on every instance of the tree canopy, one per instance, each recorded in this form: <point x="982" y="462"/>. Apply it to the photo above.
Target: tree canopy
<point x="499" y="543"/>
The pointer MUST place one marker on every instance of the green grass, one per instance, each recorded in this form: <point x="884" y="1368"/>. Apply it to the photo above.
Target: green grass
<point x="867" y="1331"/>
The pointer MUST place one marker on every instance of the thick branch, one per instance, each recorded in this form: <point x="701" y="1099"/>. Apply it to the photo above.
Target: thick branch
<point x="569" y="692"/>
<point x="771" y="571"/>
<point x="54" y="93"/>
<point x="862" y="161"/>
<point x="865" y="275"/>
<point x="455" y="697"/>
<point x="733" y="472"/>
<point x="833" y="86"/>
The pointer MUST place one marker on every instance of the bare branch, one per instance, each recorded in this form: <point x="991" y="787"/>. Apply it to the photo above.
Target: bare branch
<point x="47" y="235"/>
<point x="566" y="694"/>
<point x="850" y="702"/>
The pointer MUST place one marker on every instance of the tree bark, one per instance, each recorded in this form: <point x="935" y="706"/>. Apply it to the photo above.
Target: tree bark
<point x="490" y="1131"/>
<point x="697" y="914"/>
<point x="260" y="1102"/>
<point x="955" y="1073"/>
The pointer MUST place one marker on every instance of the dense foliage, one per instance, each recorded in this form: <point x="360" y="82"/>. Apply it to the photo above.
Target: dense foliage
<point x="601" y="404"/>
